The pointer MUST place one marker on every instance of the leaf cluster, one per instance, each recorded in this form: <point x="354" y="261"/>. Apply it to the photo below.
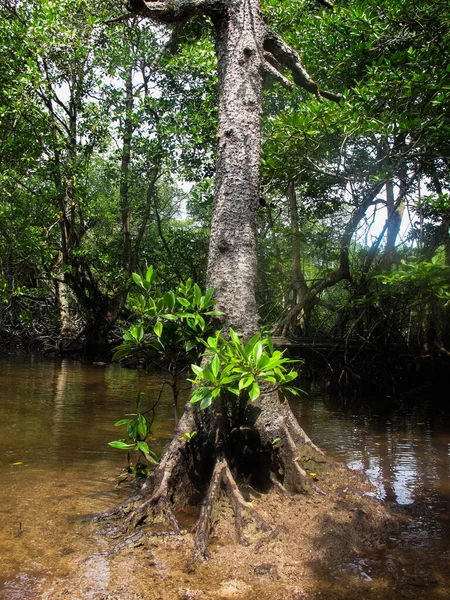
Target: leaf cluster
<point x="232" y="367"/>
<point x="138" y="430"/>
<point x="421" y="279"/>
<point x="170" y="324"/>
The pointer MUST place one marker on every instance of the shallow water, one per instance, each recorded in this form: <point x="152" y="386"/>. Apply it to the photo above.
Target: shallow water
<point x="56" y="468"/>
<point x="404" y="449"/>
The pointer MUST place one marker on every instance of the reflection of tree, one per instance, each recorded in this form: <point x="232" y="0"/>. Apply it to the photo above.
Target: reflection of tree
<point x="385" y="449"/>
<point x="59" y="395"/>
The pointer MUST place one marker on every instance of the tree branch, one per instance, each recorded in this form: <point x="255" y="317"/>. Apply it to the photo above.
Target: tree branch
<point x="170" y="11"/>
<point x="272" y="71"/>
<point x="288" y="58"/>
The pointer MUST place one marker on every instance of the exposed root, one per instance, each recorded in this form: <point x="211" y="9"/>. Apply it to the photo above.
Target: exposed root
<point x="203" y="524"/>
<point x="273" y="535"/>
<point x="241" y="505"/>
<point x="119" y="511"/>
<point x="155" y="497"/>
<point x="302" y="480"/>
<point x="181" y="473"/>
<point x="222" y="475"/>
<point x="279" y="486"/>
<point x="133" y="540"/>
<point x="135" y="510"/>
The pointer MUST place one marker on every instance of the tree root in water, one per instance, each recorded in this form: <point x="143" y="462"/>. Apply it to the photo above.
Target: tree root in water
<point x="223" y="476"/>
<point x="303" y="482"/>
<point x="169" y="487"/>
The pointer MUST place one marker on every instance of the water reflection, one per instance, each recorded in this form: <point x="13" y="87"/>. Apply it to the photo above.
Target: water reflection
<point x="56" y="418"/>
<point x="404" y="452"/>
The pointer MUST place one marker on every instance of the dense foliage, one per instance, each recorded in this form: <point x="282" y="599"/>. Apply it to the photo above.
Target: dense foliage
<point x="107" y="158"/>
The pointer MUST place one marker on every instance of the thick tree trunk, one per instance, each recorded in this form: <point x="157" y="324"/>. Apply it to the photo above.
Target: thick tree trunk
<point x="265" y="443"/>
<point x="232" y="252"/>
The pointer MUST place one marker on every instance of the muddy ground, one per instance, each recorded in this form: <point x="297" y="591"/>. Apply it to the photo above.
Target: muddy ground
<point x="344" y="545"/>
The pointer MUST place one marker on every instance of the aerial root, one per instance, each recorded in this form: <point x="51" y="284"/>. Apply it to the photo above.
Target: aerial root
<point x="223" y="475"/>
<point x="120" y="511"/>
<point x="304" y="480"/>
<point x="135" y="510"/>
<point x="279" y="486"/>
<point x="158" y="504"/>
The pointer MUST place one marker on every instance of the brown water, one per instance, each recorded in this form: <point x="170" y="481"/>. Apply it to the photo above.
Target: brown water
<point x="56" y="467"/>
<point x="56" y="419"/>
<point x="404" y="450"/>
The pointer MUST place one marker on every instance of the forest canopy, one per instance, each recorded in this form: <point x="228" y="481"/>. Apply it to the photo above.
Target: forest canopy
<point x="108" y="146"/>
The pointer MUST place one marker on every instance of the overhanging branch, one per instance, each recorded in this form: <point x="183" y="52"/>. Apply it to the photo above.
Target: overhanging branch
<point x="287" y="57"/>
<point x="170" y="11"/>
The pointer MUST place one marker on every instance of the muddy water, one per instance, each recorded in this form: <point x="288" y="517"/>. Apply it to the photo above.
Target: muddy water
<point x="56" y="419"/>
<point x="403" y="447"/>
<point x="56" y="467"/>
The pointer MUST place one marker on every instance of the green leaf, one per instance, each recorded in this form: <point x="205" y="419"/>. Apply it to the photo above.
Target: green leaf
<point x="138" y="280"/>
<point x="197" y="295"/>
<point x="149" y="274"/>
<point x="143" y="447"/>
<point x="158" y="328"/>
<point x="183" y="302"/>
<point x="206" y="402"/>
<point x="245" y="382"/>
<point x="190" y="345"/>
<point x="142" y="426"/>
<point x="235" y="338"/>
<point x="201" y="322"/>
<point x="121" y="445"/>
<point x="151" y="457"/>
<point x="290" y="376"/>
<point x="170" y="317"/>
<point x="257" y="353"/>
<point x="121" y="352"/>
<point x="254" y="392"/>
<point x="169" y="300"/>
<point x="293" y="391"/>
<point x="215" y="366"/>
<point x="123" y="422"/>
<point x="197" y="370"/>
<point x="199" y="394"/>
<point x="251" y="344"/>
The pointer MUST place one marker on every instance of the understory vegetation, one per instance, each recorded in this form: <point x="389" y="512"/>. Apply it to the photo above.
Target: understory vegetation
<point x="107" y="167"/>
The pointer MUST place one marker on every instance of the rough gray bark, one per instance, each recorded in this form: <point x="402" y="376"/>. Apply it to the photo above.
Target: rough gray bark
<point x="232" y="250"/>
